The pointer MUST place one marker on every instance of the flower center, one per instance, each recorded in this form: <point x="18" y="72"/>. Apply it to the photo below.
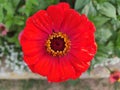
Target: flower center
<point x="58" y="44"/>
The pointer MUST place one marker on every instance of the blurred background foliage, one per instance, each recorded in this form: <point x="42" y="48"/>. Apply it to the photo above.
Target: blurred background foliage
<point x="104" y="13"/>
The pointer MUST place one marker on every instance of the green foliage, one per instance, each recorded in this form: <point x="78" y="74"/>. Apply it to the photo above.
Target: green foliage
<point x="13" y="13"/>
<point x="107" y="9"/>
<point x="81" y="3"/>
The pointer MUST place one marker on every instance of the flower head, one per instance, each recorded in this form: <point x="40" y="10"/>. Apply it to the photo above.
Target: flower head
<point x="3" y="30"/>
<point x="58" y="43"/>
<point x="114" y="77"/>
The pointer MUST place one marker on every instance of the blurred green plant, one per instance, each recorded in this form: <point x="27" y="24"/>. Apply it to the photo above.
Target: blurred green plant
<point x="104" y="13"/>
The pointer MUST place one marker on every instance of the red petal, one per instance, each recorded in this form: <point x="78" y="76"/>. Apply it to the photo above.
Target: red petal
<point x="83" y="39"/>
<point x="69" y="72"/>
<point x="55" y="73"/>
<point x="31" y="68"/>
<point x="81" y="65"/>
<point x="43" y="66"/>
<point x="64" y="6"/>
<point x="84" y="29"/>
<point x="82" y="54"/>
<point x="30" y="48"/>
<point x="30" y="60"/>
<point x="42" y="21"/>
<point x="56" y="13"/>
<point x="70" y="22"/>
<point x="31" y="32"/>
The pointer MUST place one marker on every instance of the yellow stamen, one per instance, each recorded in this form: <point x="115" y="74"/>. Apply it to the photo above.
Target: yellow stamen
<point x="58" y="52"/>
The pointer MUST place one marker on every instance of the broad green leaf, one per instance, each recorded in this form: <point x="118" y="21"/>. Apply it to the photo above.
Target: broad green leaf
<point x="92" y="10"/>
<point x="103" y="52"/>
<point x="107" y="9"/>
<point x="100" y="20"/>
<point x="80" y="4"/>
<point x="8" y="7"/>
<point x="103" y="35"/>
<point x="110" y="48"/>
<point x="85" y="10"/>
<point x="115" y="24"/>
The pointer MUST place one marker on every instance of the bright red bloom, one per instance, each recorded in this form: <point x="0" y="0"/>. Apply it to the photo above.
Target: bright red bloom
<point x="115" y="77"/>
<point x="58" y="43"/>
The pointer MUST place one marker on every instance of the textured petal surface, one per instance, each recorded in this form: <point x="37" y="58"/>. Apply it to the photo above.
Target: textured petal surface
<point x="56" y="13"/>
<point x="81" y="33"/>
<point x="69" y="72"/>
<point x="70" y="22"/>
<point x="79" y="66"/>
<point x="42" y="21"/>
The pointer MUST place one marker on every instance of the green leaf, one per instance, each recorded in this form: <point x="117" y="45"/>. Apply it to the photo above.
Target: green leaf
<point x="85" y="10"/>
<point x="103" y="35"/>
<point x="8" y="7"/>
<point x="22" y="9"/>
<point x="107" y="9"/>
<point x="1" y="14"/>
<point x="19" y="20"/>
<point x="110" y="47"/>
<point x="117" y="44"/>
<point x="42" y="5"/>
<point x="101" y="1"/>
<point x="34" y="2"/>
<point x="80" y="4"/>
<point x="92" y="10"/>
<point x="9" y="23"/>
<point x="100" y="20"/>
<point x="118" y="10"/>
<point x="103" y="52"/>
<point x="115" y="24"/>
<point x="49" y="2"/>
<point x="15" y="2"/>
<point x="2" y="1"/>
<point x="28" y="7"/>
<point x="118" y="7"/>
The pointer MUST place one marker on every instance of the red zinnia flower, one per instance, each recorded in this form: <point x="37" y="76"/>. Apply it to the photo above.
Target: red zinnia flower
<point x="58" y="43"/>
<point x="115" y="77"/>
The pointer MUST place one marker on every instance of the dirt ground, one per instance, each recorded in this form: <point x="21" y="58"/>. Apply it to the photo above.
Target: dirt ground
<point x="80" y="84"/>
